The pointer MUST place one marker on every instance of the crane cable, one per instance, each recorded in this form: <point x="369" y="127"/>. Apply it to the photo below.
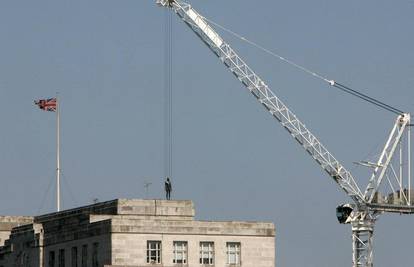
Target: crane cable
<point x="331" y="82"/>
<point x="168" y="123"/>
<point x="366" y="98"/>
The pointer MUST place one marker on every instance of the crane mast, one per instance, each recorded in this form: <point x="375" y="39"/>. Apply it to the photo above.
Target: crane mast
<point x="363" y="213"/>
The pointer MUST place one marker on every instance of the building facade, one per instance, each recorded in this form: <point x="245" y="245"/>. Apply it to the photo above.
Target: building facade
<point x="7" y="223"/>
<point x="137" y="233"/>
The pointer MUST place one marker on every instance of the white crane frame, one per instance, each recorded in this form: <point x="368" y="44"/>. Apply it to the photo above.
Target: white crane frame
<point x="365" y="209"/>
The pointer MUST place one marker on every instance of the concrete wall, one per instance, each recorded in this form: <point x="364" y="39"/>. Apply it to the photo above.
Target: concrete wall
<point x="23" y="248"/>
<point x="121" y="229"/>
<point x="156" y="207"/>
<point x="66" y="232"/>
<point x="4" y="234"/>
<point x="103" y="255"/>
<point x="129" y="241"/>
<point x="8" y="222"/>
<point x="131" y="249"/>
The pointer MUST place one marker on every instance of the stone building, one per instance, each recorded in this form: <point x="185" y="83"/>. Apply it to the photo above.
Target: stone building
<point x="136" y="233"/>
<point x="7" y="223"/>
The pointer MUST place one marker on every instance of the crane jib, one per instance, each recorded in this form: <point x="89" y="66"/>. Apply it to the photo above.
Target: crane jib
<point x="269" y="100"/>
<point x="363" y="214"/>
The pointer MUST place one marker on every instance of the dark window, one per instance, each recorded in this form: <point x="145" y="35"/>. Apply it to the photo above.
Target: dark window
<point x="61" y="258"/>
<point x="95" y="254"/>
<point x="51" y="259"/>
<point x="85" y="256"/>
<point x="153" y="251"/>
<point x="74" y="256"/>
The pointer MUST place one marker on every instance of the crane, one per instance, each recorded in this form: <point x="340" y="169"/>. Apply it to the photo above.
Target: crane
<point x="367" y="205"/>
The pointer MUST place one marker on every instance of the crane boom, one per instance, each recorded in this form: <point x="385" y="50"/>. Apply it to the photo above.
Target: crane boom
<point x="267" y="98"/>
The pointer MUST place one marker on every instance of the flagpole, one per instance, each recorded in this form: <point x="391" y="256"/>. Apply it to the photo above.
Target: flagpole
<point x="57" y="155"/>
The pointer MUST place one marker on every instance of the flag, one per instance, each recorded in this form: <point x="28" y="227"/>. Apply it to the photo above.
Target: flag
<point x="49" y="104"/>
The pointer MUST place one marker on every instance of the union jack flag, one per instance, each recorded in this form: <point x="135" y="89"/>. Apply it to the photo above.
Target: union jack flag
<point x="49" y="104"/>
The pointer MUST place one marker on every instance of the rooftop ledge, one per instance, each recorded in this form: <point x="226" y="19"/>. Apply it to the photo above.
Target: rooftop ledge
<point x="127" y="207"/>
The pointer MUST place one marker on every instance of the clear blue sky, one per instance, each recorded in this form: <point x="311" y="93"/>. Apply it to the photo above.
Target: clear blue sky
<point x="105" y="58"/>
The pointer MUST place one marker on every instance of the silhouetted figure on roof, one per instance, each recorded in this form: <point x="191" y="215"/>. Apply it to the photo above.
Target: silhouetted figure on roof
<point x="168" y="189"/>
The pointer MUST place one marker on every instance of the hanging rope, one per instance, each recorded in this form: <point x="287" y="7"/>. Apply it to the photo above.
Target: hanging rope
<point x="314" y="74"/>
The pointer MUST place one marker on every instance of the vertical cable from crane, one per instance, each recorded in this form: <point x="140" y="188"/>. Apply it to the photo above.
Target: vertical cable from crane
<point x="170" y="98"/>
<point x="168" y="116"/>
<point x="165" y="98"/>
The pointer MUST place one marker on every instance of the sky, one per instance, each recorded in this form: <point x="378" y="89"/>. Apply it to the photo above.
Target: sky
<point x="105" y="59"/>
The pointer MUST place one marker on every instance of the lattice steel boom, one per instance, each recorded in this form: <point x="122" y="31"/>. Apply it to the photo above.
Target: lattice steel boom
<point x="365" y="211"/>
<point x="267" y="98"/>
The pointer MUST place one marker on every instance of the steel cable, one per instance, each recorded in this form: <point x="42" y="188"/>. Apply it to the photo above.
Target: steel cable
<point x="313" y="73"/>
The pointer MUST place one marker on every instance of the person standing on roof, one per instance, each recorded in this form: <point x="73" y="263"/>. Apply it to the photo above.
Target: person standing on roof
<point x="168" y="189"/>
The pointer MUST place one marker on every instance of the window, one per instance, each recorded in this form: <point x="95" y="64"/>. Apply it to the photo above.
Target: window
<point x="153" y="251"/>
<point x="207" y="253"/>
<point x="233" y="253"/>
<point x="51" y="259"/>
<point x="180" y="252"/>
<point x="84" y="256"/>
<point x="61" y="258"/>
<point x="95" y="254"/>
<point x="74" y="257"/>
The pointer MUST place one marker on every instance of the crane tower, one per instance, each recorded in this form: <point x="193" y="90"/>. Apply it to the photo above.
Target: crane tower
<point x="367" y="205"/>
